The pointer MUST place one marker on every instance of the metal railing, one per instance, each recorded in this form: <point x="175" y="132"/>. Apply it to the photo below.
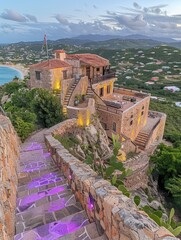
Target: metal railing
<point x="100" y="78"/>
<point x="108" y="109"/>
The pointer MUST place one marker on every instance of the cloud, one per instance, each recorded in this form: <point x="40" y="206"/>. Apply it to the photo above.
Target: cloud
<point x="61" y="19"/>
<point x="147" y="21"/>
<point x="136" y="5"/>
<point x="94" y="6"/>
<point x="31" y="18"/>
<point x="17" y="17"/>
<point x="132" y="22"/>
<point x="13" y="16"/>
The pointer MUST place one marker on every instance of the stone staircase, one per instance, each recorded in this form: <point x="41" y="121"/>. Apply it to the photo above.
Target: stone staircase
<point x="46" y="207"/>
<point x="142" y="139"/>
<point x="68" y="95"/>
<point x="90" y="92"/>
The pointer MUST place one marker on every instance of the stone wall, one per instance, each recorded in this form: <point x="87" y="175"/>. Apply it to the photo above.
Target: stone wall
<point x="113" y="212"/>
<point x="104" y="84"/>
<point x="9" y="155"/>
<point x="83" y="114"/>
<point x="158" y="131"/>
<point x="134" y="118"/>
<point x="139" y="165"/>
<point x="45" y="79"/>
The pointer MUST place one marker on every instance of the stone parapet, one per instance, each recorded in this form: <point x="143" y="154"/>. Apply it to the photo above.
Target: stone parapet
<point x="9" y="155"/>
<point x="114" y="213"/>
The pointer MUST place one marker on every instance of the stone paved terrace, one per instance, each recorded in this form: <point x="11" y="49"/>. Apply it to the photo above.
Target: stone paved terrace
<point x="46" y="207"/>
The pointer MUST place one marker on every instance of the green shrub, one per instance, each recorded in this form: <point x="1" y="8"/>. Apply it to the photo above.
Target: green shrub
<point x="47" y="108"/>
<point x="24" y="129"/>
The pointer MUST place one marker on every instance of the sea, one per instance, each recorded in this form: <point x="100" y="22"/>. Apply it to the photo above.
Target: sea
<point x="7" y="74"/>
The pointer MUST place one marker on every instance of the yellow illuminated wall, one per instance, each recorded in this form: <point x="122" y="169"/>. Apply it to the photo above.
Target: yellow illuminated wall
<point x="104" y="85"/>
<point x="57" y="73"/>
<point x="83" y="118"/>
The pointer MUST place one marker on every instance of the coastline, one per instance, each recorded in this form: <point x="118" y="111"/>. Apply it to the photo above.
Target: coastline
<point x="18" y="67"/>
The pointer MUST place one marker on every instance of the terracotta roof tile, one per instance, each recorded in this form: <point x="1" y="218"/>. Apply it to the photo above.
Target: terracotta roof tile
<point x="90" y="59"/>
<point x="51" y="64"/>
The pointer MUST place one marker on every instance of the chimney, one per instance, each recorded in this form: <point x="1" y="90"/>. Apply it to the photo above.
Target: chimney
<point x="60" y="54"/>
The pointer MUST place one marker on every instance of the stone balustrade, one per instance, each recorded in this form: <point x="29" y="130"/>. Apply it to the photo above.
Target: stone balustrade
<point x="113" y="212"/>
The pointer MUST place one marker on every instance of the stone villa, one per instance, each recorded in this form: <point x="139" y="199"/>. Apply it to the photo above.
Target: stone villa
<point x="85" y="85"/>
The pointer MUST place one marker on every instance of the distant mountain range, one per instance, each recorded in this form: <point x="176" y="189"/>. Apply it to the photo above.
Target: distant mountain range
<point x="93" y="41"/>
<point x="97" y="37"/>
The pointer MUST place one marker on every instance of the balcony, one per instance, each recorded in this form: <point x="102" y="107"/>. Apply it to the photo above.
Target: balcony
<point x="100" y="78"/>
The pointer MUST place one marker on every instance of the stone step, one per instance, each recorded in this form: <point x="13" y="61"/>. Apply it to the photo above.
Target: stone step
<point x="141" y="147"/>
<point x="40" y="186"/>
<point x="140" y="141"/>
<point x="87" y="232"/>
<point x="41" y="165"/>
<point x="34" y="156"/>
<point x="36" y="199"/>
<point x="33" y="146"/>
<point x="27" y="178"/>
<point x="50" y="206"/>
<point x="57" y="229"/>
<point x="143" y="134"/>
<point x="142" y="138"/>
<point x="40" y="216"/>
<point x="140" y="144"/>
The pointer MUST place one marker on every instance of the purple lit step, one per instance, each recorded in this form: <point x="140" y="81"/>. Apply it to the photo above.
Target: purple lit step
<point x="87" y="232"/>
<point x="31" y="167"/>
<point x="50" y="184"/>
<point x="39" y="176"/>
<point x="32" y="146"/>
<point x="27" y="201"/>
<point x="56" y="229"/>
<point x="39" y="216"/>
<point x="32" y="203"/>
<point x="45" y="179"/>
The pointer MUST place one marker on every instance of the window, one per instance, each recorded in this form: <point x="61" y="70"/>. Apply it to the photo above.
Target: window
<point x="114" y="126"/>
<point x="142" y="113"/>
<point x="64" y="74"/>
<point x="131" y="115"/>
<point x="38" y="75"/>
<point x="104" y="125"/>
<point x="108" y="89"/>
<point x="97" y="69"/>
<point x="131" y="123"/>
<point x="101" y="93"/>
<point x="143" y="107"/>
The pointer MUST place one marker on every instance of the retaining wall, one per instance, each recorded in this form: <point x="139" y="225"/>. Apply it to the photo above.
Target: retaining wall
<point x="9" y="155"/>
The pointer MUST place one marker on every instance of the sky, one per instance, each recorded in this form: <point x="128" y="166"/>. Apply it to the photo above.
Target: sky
<point x="24" y="20"/>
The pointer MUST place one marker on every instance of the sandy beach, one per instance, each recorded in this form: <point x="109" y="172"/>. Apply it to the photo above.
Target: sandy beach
<point x="18" y="67"/>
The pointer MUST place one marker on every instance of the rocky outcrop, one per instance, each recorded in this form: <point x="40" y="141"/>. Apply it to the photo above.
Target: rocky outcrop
<point x="92" y="140"/>
<point x="9" y="154"/>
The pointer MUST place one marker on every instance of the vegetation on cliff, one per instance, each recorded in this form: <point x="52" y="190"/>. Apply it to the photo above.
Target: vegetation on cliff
<point x="167" y="162"/>
<point x="30" y="109"/>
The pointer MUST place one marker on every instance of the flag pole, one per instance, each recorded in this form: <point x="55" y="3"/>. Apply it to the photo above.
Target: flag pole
<point x="46" y="45"/>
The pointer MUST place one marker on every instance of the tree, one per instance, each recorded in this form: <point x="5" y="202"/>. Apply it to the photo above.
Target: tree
<point x="167" y="162"/>
<point x="47" y="108"/>
<point x="174" y="186"/>
<point x="12" y="87"/>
